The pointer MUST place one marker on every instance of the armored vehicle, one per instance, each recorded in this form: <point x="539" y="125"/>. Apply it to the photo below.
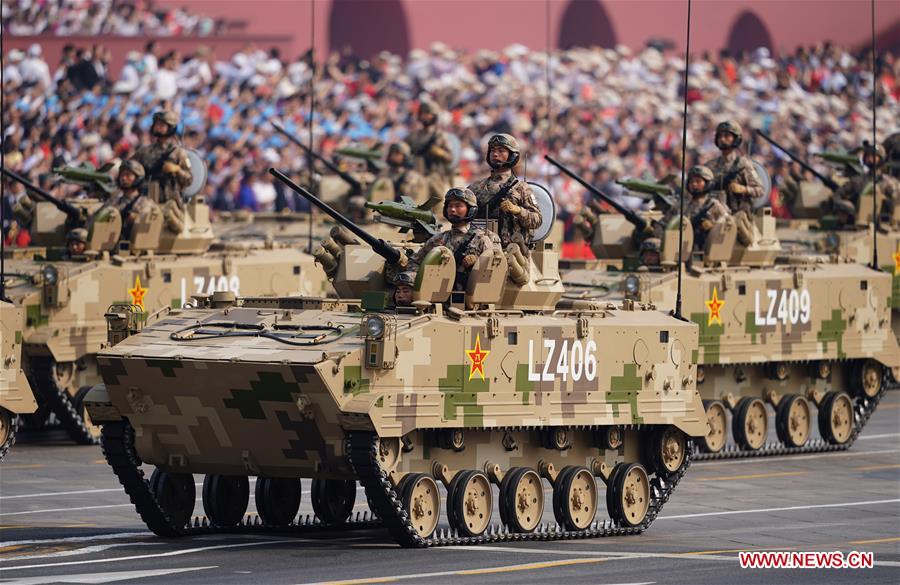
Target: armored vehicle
<point x="15" y="393"/>
<point x="489" y="391"/>
<point x="65" y="296"/>
<point x="776" y="331"/>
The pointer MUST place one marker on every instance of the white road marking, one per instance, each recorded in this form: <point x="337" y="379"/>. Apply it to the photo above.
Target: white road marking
<point x="93" y="538"/>
<point x="173" y="553"/>
<point x="881" y="436"/>
<point x="106" y="577"/>
<point x="48" y="511"/>
<point x="608" y="554"/>
<point x="85" y="550"/>
<point x="72" y="493"/>
<point x="784" y="509"/>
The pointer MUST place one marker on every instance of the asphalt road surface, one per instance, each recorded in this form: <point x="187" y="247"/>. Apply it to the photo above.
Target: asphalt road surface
<point x="64" y="519"/>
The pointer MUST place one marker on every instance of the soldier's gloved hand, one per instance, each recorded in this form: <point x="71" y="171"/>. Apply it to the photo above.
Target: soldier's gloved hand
<point x="469" y="260"/>
<point x="170" y="167"/>
<point x="507" y="206"/>
<point x="737" y="189"/>
<point x="404" y="260"/>
<point x="706" y="225"/>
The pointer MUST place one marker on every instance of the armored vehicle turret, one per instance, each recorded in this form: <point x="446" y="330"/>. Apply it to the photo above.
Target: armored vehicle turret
<point x="492" y="391"/>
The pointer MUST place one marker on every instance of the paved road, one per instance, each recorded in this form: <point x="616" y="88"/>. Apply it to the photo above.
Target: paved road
<point x="65" y="520"/>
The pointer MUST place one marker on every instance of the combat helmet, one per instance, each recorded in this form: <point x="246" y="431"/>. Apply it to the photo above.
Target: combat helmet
<point x="877" y="150"/>
<point x="169" y="118"/>
<point x="406" y="278"/>
<point x="77" y="235"/>
<point x="133" y="167"/>
<point x="402" y="148"/>
<point x="467" y="197"/>
<point x="509" y="143"/>
<point x="428" y="106"/>
<point x="733" y="128"/>
<point x="704" y="173"/>
<point x="650" y="245"/>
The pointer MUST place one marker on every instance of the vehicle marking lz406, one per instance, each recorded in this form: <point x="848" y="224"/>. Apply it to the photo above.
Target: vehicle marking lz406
<point x="575" y="360"/>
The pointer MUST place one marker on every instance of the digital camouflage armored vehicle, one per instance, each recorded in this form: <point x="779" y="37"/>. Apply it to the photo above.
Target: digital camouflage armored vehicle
<point x="15" y="393"/>
<point x="797" y="334"/>
<point x="65" y="297"/>
<point x="497" y="385"/>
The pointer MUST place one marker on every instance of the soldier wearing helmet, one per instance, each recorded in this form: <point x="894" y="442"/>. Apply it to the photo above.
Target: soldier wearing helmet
<point x="166" y="165"/>
<point x="465" y="241"/>
<point x="702" y="210"/>
<point x="400" y="177"/>
<point x="76" y="242"/>
<point x="129" y="200"/>
<point x="734" y="173"/>
<point x="649" y="252"/>
<point x="403" y="289"/>
<point x="502" y="196"/>
<point x="892" y="150"/>
<point x="432" y="153"/>
<point x="886" y="186"/>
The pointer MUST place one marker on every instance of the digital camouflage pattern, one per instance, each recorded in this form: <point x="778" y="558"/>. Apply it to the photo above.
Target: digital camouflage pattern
<point x="452" y="239"/>
<point x="743" y="174"/>
<point x="15" y="392"/>
<point x="163" y="186"/>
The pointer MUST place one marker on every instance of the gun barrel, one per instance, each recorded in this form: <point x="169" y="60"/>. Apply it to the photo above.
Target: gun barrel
<point x="631" y="216"/>
<point x="382" y="248"/>
<point x="73" y="212"/>
<point x="354" y="184"/>
<point x="825" y="180"/>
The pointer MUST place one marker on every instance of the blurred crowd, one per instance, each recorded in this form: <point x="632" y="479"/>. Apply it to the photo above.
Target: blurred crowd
<point x="609" y="113"/>
<point x="102" y="17"/>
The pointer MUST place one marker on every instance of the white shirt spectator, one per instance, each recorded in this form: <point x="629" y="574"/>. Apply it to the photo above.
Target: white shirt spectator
<point x="166" y="84"/>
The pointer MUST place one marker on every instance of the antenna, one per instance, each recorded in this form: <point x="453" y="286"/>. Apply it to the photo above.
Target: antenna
<point x="548" y="134"/>
<point x="874" y="145"/>
<point x="312" y="111"/>
<point x="687" y="64"/>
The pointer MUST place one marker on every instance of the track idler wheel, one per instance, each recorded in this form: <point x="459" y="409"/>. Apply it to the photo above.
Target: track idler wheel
<point x="333" y="499"/>
<point x="422" y="501"/>
<point x="277" y="500"/>
<point x="175" y="493"/>
<point x="717" y="415"/>
<point x="836" y="418"/>
<point x="9" y="425"/>
<point x="793" y="420"/>
<point x="750" y="425"/>
<point x="667" y="448"/>
<point x="868" y="379"/>
<point x="628" y="494"/>
<point x="521" y="499"/>
<point x="225" y="498"/>
<point x="470" y="503"/>
<point x="575" y="498"/>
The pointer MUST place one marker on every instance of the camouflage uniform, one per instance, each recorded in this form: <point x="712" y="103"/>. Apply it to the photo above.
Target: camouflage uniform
<point x="516" y="229"/>
<point x="745" y="175"/>
<point x="406" y="181"/>
<point x="716" y="211"/>
<point x="433" y="156"/>
<point x="163" y="186"/>
<point x="850" y="191"/>
<point x="453" y="239"/>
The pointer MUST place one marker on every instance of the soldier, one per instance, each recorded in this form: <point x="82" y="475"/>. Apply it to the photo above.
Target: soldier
<point x="400" y="176"/>
<point x="465" y="241"/>
<point x="128" y="200"/>
<point x="848" y="194"/>
<point x="648" y="254"/>
<point x="735" y="175"/>
<point x="432" y="151"/>
<point x="403" y="289"/>
<point x="702" y="211"/>
<point x="76" y="242"/>
<point x="892" y="150"/>
<point x="166" y="165"/>
<point x="507" y="198"/>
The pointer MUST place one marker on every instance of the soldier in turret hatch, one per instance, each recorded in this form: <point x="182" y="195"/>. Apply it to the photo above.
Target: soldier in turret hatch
<point x="165" y="162"/>
<point x="403" y="289"/>
<point x="431" y="149"/>
<point x="405" y="180"/>
<point x="128" y="199"/>
<point x="735" y="175"/>
<point x="848" y="194"/>
<point x="702" y="210"/>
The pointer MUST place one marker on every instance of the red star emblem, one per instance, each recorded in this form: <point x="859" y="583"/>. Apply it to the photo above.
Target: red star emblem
<point x="137" y="293"/>
<point x="477" y="356"/>
<point x="715" y="307"/>
<point x="896" y="257"/>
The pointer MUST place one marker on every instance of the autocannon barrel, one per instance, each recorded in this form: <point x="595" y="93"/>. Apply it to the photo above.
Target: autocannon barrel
<point x="70" y="210"/>
<point x="346" y="177"/>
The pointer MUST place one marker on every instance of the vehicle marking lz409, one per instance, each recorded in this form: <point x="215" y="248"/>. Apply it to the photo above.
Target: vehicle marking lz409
<point x="787" y="306"/>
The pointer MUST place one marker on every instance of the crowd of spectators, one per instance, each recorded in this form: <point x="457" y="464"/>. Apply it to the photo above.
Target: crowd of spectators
<point x="610" y="113"/>
<point x="102" y="17"/>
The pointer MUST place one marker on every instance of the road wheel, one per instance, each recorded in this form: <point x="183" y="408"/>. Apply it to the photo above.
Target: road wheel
<point x="793" y="420"/>
<point x="422" y="501"/>
<point x="333" y="499"/>
<point x="750" y="425"/>
<point x="575" y="498"/>
<point x="277" y="500"/>
<point x="715" y="439"/>
<point x="175" y="493"/>
<point x="521" y="499"/>
<point x="225" y="498"/>
<point x="668" y="448"/>
<point x="868" y="379"/>
<point x="836" y="418"/>
<point x="629" y="494"/>
<point x="471" y="502"/>
<point x="9" y="425"/>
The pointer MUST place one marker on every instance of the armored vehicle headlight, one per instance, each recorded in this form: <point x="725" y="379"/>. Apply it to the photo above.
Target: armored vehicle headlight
<point x="632" y="284"/>
<point x="49" y="274"/>
<point x="375" y="326"/>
